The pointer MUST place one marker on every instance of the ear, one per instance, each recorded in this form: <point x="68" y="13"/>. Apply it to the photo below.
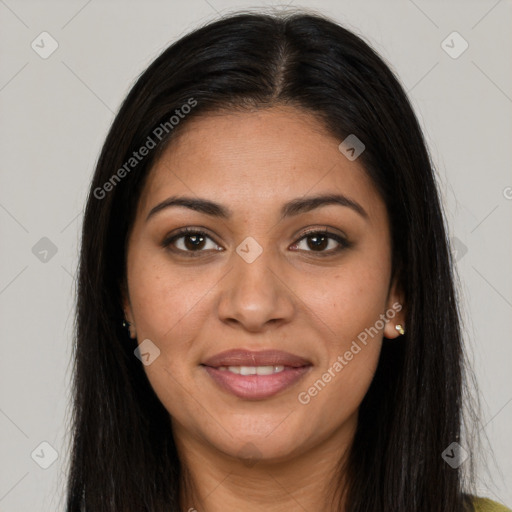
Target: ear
<point x="395" y="310"/>
<point x="126" y="305"/>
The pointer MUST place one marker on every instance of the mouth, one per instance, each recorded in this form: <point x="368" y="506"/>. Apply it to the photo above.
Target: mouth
<point x="256" y="375"/>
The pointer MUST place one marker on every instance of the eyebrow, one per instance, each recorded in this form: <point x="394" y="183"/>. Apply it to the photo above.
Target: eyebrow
<point x="289" y="209"/>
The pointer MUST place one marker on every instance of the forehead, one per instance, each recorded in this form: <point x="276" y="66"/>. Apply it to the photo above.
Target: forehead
<point x="261" y="157"/>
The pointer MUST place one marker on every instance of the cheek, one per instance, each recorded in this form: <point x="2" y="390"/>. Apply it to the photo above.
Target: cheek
<point x="170" y="306"/>
<point x="167" y="303"/>
<point x="347" y="300"/>
<point x="351" y="310"/>
<point x="347" y="308"/>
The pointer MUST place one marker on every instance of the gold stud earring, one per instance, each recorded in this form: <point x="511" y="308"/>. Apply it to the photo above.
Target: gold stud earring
<point x="128" y="325"/>
<point x="400" y="329"/>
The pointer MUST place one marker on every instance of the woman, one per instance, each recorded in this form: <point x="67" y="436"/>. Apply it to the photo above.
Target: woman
<point x="266" y="311"/>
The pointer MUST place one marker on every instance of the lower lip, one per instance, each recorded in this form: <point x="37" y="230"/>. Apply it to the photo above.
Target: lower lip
<point x="256" y="387"/>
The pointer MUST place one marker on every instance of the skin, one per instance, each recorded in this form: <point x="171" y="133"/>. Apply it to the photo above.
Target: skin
<point x="290" y="298"/>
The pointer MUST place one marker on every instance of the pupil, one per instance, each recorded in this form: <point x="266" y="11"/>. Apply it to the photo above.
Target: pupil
<point x="317" y="244"/>
<point x="197" y="240"/>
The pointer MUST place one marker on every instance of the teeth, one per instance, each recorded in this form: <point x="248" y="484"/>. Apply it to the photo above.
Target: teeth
<point x="253" y="370"/>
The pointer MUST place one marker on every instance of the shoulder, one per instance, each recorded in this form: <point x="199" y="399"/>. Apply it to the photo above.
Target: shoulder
<point x="487" y="505"/>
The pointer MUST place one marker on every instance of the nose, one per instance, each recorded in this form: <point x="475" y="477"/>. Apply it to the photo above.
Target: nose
<point x="255" y="295"/>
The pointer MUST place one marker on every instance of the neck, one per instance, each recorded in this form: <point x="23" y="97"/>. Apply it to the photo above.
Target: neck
<point x="216" y="482"/>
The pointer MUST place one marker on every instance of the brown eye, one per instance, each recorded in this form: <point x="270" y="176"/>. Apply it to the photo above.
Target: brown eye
<point x="190" y="241"/>
<point x="319" y="241"/>
<point x="193" y="242"/>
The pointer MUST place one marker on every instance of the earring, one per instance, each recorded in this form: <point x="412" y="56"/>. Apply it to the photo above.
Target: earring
<point x="128" y="325"/>
<point x="400" y="329"/>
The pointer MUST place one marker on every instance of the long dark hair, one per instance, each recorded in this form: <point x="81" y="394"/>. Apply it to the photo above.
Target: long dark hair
<point x="123" y="454"/>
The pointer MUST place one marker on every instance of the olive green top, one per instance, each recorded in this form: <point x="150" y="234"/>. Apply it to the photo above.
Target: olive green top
<point x="487" y="505"/>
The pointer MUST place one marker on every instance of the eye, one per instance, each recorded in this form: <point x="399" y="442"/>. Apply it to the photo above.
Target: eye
<point x="318" y="241"/>
<point x="189" y="240"/>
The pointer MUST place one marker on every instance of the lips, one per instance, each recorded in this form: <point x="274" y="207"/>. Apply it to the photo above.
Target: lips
<point x="240" y="357"/>
<point x="256" y="375"/>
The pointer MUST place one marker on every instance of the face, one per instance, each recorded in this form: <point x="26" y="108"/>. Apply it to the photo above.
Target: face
<point x="298" y="288"/>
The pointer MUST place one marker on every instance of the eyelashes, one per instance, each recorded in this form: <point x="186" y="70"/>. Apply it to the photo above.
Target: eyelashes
<point x="196" y="236"/>
<point x="195" y="242"/>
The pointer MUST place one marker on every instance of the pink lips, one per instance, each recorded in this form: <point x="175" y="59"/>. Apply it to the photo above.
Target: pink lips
<point x="239" y="357"/>
<point x="256" y="387"/>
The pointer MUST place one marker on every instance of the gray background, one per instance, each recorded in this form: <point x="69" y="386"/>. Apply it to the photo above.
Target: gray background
<point x="55" y="114"/>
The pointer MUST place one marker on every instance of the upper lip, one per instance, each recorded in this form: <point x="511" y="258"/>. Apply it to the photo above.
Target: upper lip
<point x="241" y="357"/>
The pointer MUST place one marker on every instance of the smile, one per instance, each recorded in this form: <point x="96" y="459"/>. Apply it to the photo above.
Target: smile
<point x="256" y="382"/>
